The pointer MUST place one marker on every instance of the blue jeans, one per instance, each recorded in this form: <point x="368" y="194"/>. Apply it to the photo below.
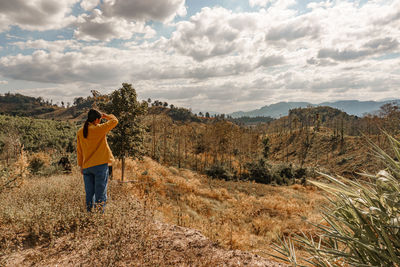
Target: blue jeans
<point x="96" y="179"/>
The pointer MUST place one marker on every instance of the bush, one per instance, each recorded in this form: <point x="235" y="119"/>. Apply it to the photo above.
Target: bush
<point x="37" y="162"/>
<point x="281" y="174"/>
<point x="219" y="171"/>
<point x="361" y="226"/>
<point x="300" y="172"/>
<point x="259" y="171"/>
<point x="35" y="165"/>
<point x="283" y="170"/>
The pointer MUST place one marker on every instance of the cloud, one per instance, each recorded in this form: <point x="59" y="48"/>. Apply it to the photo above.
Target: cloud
<point x="216" y="32"/>
<point x="89" y="4"/>
<point x="386" y="44"/>
<point x="56" y="46"/>
<point x="206" y="35"/>
<point x="392" y="14"/>
<point x="3" y="82"/>
<point x="276" y="3"/>
<point x="262" y="3"/>
<point x="144" y="10"/>
<point x="218" y="59"/>
<point x="298" y="28"/>
<point x="61" y="68"/>
<point x="36" y="15"/>
<point x="269" y="61"/>
<point x="97" y="27"/>
<point x="372" y="47"/>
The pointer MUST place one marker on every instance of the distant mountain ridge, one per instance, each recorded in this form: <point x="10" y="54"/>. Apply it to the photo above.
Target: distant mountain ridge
<point x="351" y="107"/>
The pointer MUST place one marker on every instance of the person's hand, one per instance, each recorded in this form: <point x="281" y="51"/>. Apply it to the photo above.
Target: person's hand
<point x="81" y="170"/>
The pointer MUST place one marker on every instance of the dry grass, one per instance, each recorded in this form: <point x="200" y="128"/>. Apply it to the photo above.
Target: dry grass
<point x="48" y="214"/>
<point x="43" y="222"/>
<point x="237" y="215"/>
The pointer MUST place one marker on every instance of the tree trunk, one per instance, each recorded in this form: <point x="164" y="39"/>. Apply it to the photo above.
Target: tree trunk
<point x="154" y="137"/>
<point x="179" y="149"/>
<point x="122" y="168"/>
<point x="165" y="144"/>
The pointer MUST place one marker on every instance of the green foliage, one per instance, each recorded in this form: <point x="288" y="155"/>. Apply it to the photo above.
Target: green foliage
<point x="259" y="171"/>
<point x="175" y="113"/>
<point x="38" y="135"/>
<point x="219" y="171"/>
<point x="20" y="105"/>
<point x="182" y="114"/>
<point x="361" y="225"/>
<point x="126" y="139"/>
<point x="266" y="147"/>
<point x="35" y="165"/>
<point x="251" y="120"/>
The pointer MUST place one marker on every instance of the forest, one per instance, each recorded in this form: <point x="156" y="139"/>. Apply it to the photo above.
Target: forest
<point x="279" y="151"/>
<point x="246" y="183"/>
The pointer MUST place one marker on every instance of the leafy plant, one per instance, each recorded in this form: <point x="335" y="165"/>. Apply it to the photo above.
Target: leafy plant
<point x="361" y="224"/>
<point x="219" y="171"/>
<point x="126" y="140"/>
<point x="35" y="165"/>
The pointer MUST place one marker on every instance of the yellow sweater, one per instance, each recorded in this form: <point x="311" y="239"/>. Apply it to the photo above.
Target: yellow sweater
<point x="94" y="149"/>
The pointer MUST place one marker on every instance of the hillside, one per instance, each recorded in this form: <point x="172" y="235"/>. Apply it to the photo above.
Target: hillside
<point x="20" y="105"/>
<point x="148" y="222"/>
<point x="352" y="107"/>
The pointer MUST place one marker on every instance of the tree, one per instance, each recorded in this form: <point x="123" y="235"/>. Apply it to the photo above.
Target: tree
<point x="266" y="147"/>
<point x="126" y="140"/>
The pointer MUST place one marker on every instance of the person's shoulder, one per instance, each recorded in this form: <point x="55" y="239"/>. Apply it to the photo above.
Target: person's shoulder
<point x="80" y="131"/>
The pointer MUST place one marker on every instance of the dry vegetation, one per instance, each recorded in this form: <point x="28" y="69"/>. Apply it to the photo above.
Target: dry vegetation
<point x="236" y="215"/>
<point x="43" y="222"/>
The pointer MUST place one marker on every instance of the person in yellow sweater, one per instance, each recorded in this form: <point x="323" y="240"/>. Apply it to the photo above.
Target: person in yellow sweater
<point x="94" y="155"/>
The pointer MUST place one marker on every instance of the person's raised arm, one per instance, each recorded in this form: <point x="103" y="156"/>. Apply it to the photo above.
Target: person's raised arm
<point x="112" y="121"/>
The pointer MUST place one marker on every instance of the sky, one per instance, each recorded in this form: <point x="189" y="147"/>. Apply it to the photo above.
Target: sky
<point x="217" y="56"/>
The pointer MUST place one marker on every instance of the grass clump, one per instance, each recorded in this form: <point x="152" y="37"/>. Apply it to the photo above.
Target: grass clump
<point x="48" y="214"/>
<point x="361" y="226"/>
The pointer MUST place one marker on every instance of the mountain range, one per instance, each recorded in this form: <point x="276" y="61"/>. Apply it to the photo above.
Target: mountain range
<point x="352" y="107"/>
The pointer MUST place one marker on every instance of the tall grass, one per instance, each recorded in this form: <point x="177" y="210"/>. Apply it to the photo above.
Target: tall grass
<point x="43" y="210"/>
<point x="43" y="222"/>
<point x="361" y="226"/>
<point x="236" y="215"/>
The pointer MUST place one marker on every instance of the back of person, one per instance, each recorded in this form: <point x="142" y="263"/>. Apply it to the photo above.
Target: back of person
<point x="94" y="155"/>
<point x="94" y="148"/>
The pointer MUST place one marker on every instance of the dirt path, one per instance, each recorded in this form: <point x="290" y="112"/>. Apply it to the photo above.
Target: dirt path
<point x="171" y="245"/>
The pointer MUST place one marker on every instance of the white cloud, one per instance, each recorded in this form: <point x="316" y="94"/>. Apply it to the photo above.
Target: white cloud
<point x="276" y="3"/>
<point x="89" y="4"/>
<point x="36" y="14"/>
<point x="372" y="47"/>
<point x="55" y="46"/>
<point x="98" y="27"/>
<point x="212" y="33"/>
<point x="263" y="3"/>
<point x="144" y="10"/>
<point x="223" y="60"/>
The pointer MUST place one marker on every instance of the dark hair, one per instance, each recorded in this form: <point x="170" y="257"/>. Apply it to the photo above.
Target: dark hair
<point x="92" y="116"/>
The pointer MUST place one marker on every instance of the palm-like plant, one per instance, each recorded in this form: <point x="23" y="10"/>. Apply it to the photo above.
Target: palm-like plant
<point x="361" y="224"/>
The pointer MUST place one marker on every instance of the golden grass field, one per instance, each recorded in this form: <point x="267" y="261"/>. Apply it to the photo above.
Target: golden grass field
<point x="236" y="215"/>
<point x="43" y="221"/>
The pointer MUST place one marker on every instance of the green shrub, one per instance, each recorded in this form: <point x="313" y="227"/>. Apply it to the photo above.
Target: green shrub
<point x="219" y="171"/>
<point x="259" y="171"/>
<point x="35" y="165"/>
<point x="361" y="226"/>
